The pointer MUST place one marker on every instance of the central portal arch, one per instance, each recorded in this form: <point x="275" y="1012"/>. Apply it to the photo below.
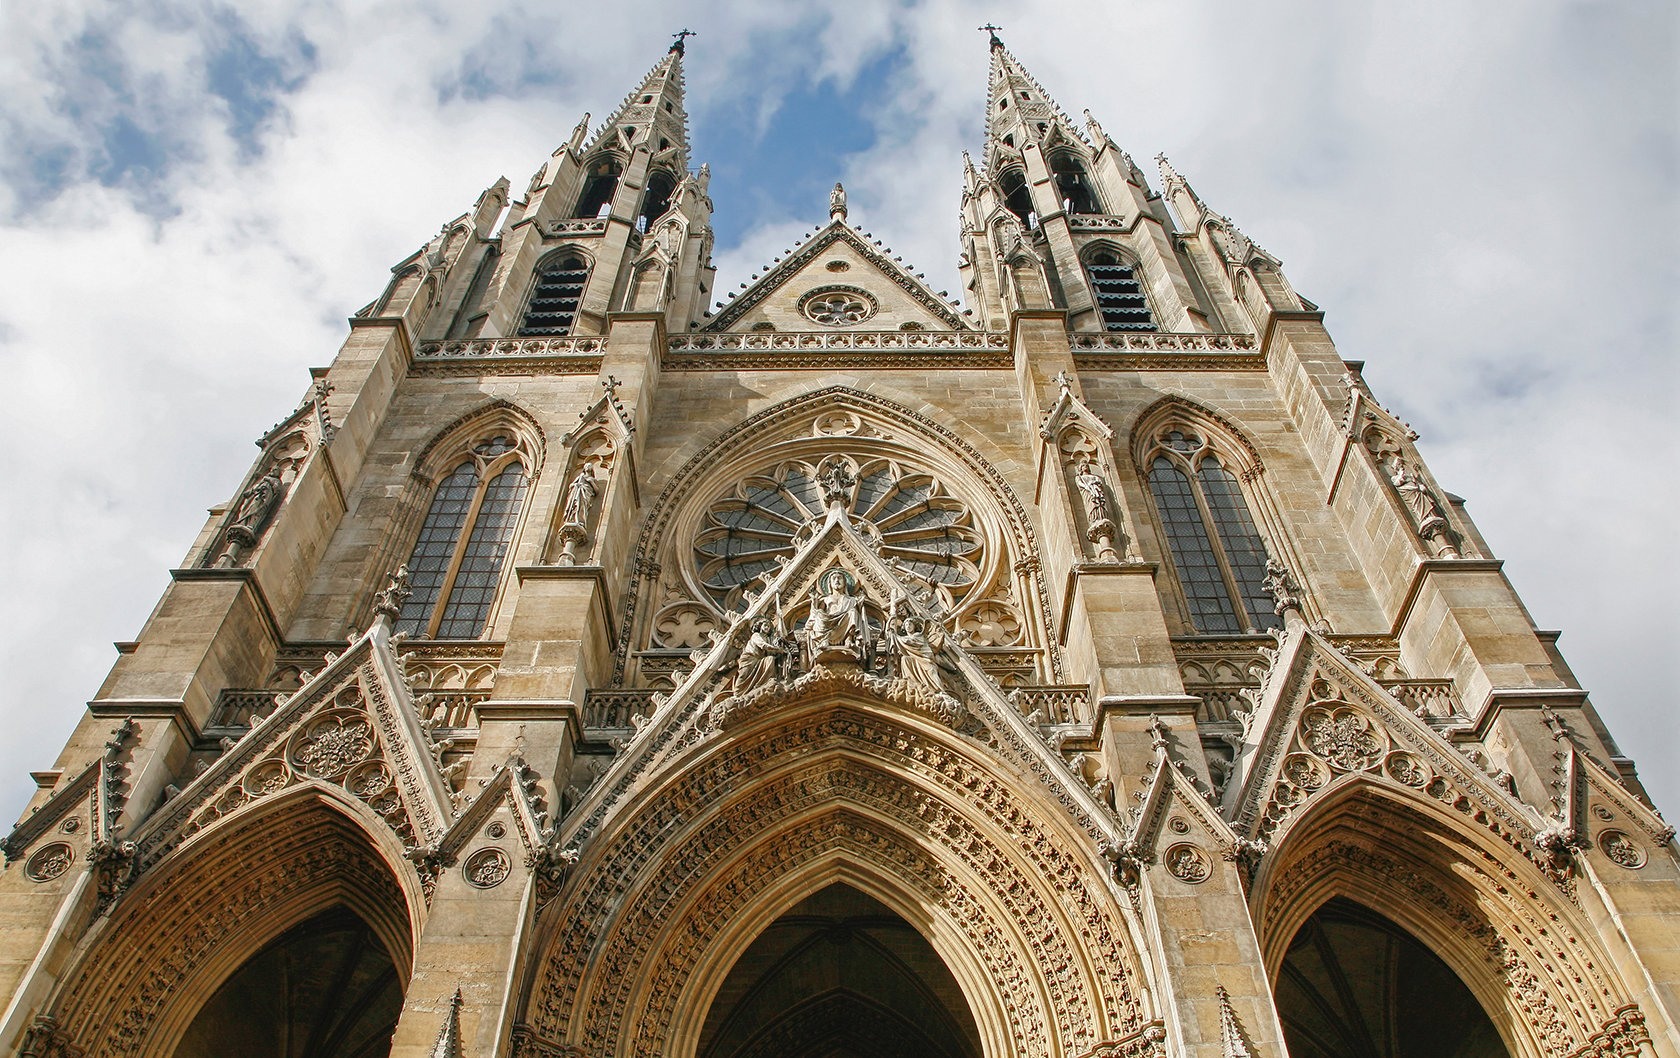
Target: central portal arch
<point x="840" y="973"/>
<point x="734" y="833"/>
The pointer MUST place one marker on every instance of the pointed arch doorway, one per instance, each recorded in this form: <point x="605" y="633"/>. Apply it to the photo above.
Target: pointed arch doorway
<point x="839" y="975"/>
<point x="1356" y="985"/>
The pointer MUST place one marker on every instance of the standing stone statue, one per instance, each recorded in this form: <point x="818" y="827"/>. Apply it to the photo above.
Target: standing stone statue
<point x="580" y="494"/>
<point x="837" y="202"/>
<point x="1096" y="495"/>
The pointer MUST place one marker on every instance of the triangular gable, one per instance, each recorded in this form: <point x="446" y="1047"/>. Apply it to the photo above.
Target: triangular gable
<point x="1321" y="722"/>
<point x="713" y="696"/>
<point x="352" y="725"/>
<point x="840" y="259"/>
<point x="1590" y="798"/>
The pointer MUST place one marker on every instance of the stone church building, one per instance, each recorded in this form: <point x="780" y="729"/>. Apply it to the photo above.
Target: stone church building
<point x="599" y="664"/>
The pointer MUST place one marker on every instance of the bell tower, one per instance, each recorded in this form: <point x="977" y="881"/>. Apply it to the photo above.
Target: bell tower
<point x="614" y="221"/>
<point x="1059" y="216"/>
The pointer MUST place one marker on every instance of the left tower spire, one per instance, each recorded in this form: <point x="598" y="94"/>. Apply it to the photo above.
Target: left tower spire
<point x="614" y="220"/>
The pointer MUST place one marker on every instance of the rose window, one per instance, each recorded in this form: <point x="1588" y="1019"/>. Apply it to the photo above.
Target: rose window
<point x="928" y="533"/>
<point x="838" y="308"/>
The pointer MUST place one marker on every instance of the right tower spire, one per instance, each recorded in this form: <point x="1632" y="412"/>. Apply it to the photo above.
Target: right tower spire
<point x="1056" y="220"/>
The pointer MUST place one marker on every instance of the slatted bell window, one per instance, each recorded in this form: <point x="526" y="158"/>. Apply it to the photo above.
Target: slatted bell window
<point x="555" y="297"/>
<point x="1119" y="293"/>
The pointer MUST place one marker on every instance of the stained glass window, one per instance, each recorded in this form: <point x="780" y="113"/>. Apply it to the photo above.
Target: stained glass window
<point x="454" y="572"/>
<point x="1218" y="553"/>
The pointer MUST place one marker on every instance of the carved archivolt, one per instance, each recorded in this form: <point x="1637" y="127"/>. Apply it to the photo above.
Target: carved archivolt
<point x="140" y="976"/>
<point x="652" y="911"/>
<point x="749" y="497"/>
<point x="1499" y="923"/>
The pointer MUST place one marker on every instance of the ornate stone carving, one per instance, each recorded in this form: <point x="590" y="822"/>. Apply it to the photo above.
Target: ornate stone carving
<point x="49" y="862"/>
<point x="879" y="787"/>
<point x="486" y="868"/>
<point x="1187" y="863"/>
<point x="1621" y="849"/>
<point x="1014" y="534"/>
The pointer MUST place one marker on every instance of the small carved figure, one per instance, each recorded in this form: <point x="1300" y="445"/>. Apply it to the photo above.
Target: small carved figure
<point x="389" y="601"/>
<point x="256" y="507"/>
<point x="762" y="659"/>
<point x="1425" y="510"/>
<point x="1095" y="493"/>
<point x="837" y="202"/>
<point x="917" y="645"/>
<point x="1282" y="587"/>
<point x="837" y="625"/>
<point x="580" y="495"/>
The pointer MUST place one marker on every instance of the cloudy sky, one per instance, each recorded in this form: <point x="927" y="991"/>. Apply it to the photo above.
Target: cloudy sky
<point x="194" y="195"/>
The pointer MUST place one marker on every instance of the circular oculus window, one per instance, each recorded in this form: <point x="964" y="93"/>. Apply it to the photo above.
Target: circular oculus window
<point x="838" y="306"/>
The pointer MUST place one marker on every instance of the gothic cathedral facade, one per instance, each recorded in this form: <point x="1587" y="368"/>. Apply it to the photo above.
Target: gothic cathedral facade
<point x="595" y="665"/>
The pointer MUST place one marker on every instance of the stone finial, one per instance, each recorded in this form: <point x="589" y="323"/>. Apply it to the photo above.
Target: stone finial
<point x="1286" y="593"/>
<point x="388" y="604"/>
<point x="448" y="1043"/>
<point x="837" y="202"/>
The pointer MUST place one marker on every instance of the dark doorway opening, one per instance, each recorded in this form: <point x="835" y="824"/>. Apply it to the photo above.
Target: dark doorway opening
<point x="326" y="988"/>
<point x="840" y="976"/>
<point x="1355" y="985"/>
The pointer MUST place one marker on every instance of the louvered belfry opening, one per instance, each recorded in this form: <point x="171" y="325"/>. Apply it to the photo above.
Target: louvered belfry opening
<point x="1119" y="294"/>
<point x="554" y="300"/>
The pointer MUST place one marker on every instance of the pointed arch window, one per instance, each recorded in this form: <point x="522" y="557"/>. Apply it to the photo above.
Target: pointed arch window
<point x="555" y="296"/>
<point x="456" y="565"/>
<point x="1073" y="184"/>
<point x="656" y="199"/>
<point x="1119" y="293"/>
<point x="1216" y="549"/>
<point x="1016" y="197"/>
<point x="599" y="185"/>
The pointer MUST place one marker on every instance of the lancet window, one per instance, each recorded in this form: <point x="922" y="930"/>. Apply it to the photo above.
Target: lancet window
<point x="656" y="199"/>
<point x="1119" y="293"/>
<point x="1073" y="185"/>
<point x="1016" y="196"/>
<point x="1216" y="549"/>
<point x="555" y="296"/>
<point x="599" y="184"/>
<point x="456" y="565"/>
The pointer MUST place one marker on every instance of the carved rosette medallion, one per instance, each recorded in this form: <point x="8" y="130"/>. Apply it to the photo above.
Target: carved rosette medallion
<point x="49" y="862"/>
<point x="486" y="868"/>
<point x="1345" y="738"/>
<point x="1188" y="863"/>
<point x="1621" y="849"/>
<point x="1404" y="767"/>
<point x="332" y="744"/>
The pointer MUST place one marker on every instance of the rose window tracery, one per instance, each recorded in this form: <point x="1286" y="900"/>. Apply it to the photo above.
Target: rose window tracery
<point x="928" y="533"/>
<point x="839" y="306"/>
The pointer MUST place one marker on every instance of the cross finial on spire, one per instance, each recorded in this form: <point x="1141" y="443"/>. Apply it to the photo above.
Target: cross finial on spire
<point x="996" y="42"/>
<point x="682" y="39"/>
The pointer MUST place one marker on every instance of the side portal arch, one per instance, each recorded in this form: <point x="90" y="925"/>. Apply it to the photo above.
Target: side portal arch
<point x="142" y="975"/>
<point x="1512" y="935"/>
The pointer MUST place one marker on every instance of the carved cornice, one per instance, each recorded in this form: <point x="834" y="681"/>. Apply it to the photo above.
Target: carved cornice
<point x="809" y="350"/>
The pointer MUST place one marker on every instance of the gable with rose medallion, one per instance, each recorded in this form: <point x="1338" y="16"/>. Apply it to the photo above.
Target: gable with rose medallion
<point x="350" y="726"/>
<point x="1321" y="723"/>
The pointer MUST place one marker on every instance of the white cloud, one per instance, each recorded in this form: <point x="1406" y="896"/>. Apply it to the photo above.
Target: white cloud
<point x="1483" y="198"/>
